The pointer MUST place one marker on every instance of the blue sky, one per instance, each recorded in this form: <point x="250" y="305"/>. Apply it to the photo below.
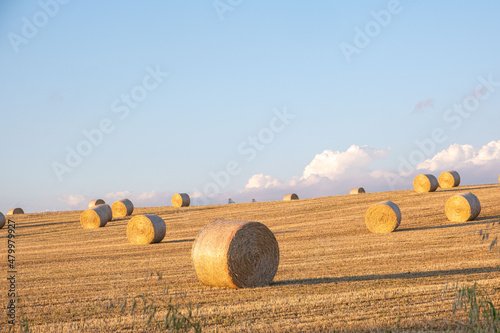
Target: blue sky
<point x="183" y="87"/>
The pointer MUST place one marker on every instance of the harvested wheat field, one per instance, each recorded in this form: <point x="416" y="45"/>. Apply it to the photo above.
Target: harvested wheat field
<point x="334" y="274"/>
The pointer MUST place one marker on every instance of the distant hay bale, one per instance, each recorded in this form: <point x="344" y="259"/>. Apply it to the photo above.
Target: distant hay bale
<point x="15" y="211"/>
<point x="146" y="229"/>
<point x="357" y="190"/>
<point x="462" y="207"/>
<point x="449" y="179"/>
<point x="181" y="200"/>
<point x="96" y="217"/>
<point x="289" y="197"/>
<point x="122" y="208"/>
<point x="425" y="183"/>
<point x="2" y="220"/>
<point x="383" y="217"/>
<point x="96" y="203"/>
<point x="235" y="254"/>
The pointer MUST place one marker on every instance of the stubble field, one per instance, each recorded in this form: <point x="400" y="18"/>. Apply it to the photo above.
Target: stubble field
<point x="333" y="274"/>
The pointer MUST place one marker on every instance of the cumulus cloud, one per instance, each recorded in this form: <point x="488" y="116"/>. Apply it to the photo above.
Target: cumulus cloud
<point x="334" y="172"/>
<point x="476" y="165"/>
<point x="72" y="200"/>
<point x="118" y="195"/>
<point x="335" y="164"/>
<point x="262" y="181"/>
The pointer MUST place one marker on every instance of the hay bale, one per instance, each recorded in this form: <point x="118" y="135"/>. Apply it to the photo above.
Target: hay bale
<point x="289" y="197"/>
<point x="449" y="179"/>
<point x="2" y="220"/>
<point x="383" y="217"/>
<point x="235" y="254"/>
<point x="15" y="211"/>
<point x="462" y="207"/>
<point x="357" y="190"/>
<point x="146" y="229"/>
<point x="96" y="217"/>
<point x="181" y="200"/>
<point x="96" y="203"/>
<point x="122" y="208"/>
<point x="425" y="183"/>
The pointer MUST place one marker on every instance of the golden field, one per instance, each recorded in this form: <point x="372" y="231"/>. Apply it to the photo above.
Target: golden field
<point x="334" y="275"/>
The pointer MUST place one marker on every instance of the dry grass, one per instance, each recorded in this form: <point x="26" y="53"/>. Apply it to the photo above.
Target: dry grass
<point x="334" y="274"/>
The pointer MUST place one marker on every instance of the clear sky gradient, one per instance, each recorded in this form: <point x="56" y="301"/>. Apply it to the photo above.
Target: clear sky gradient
<point x="242" y="99"/>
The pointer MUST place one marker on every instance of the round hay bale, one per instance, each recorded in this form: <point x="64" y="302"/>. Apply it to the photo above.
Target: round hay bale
<point x="235" y="254"/>
<point x="383" y="217"/>
<point x="425" y="183"/>
<point x="2" y="220"/>
<point x="146" y="229"/>
<point x="15" y="211"/>
<point x="449" y="179"/>
<point x="462" y="207"/>
<point x="96" y="203"/>
<point x="96" y="217"/>
<point x="289" y="197"/>
<point x="122" y="208"/>
<point x="181" y="200"/>
<point x="357" y="190"/>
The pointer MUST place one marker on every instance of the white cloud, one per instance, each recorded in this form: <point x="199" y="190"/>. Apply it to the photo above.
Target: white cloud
<point x="118" y="195"/>
<point x="476" y="165"/>
<point x="72" y="200"/>
<point x="333" y="172"/>
<point x="334" y="164"/>
<point x="261" y="181"/>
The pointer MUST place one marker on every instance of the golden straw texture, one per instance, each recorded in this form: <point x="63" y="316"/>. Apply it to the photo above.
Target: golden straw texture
<point x="235" y="254"/>
<point x="122" y="208"/>
<point x="449" y="179"/>
<point x="425" y="183"/>
<point x="357" y="190"/>
<point x="96" y="217"/>
<point x="15" y="211"/>
<point x="289" y="197"/>
<point x="96" y="203"/>
<point x="146" y="229"/>
<point x="462" y="207"/>
<point x="383" y="217"/>
<point x="2" y="220"/>
<point x="181" y="200"/>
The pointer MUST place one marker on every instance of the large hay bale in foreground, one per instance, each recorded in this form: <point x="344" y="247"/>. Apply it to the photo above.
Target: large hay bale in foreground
<point x="425" y="183"/>
<point x="96" y="202"/>
<point x="122" y="208"/>
<point x="383" y="217"/>
<point x="357" y="190"/>
<point x="2" y="220"/>
<point x="146" y="229"/>
<point x="15" y="211"/>
<point x="462" y="207"/>
<point x="449" y="179"/>
<point x="96" y="217"/>
<point x="291" y="196"/>
<point x="235" y="254"/>
<point x="181" y="200"/>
